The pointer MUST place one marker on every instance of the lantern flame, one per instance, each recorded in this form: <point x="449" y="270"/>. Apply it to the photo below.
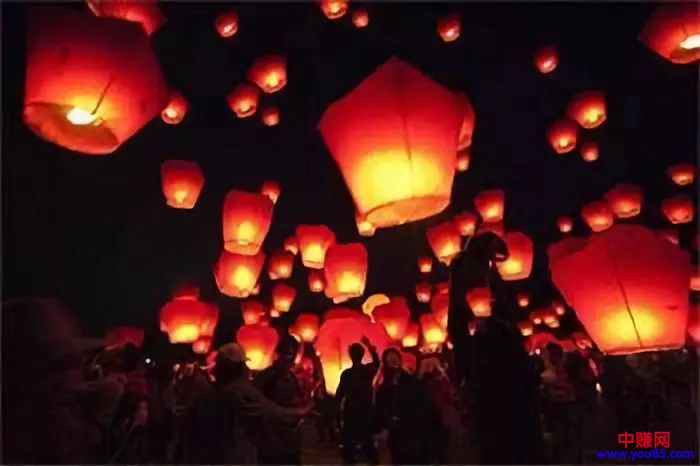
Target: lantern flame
<point x="82" y="117"/>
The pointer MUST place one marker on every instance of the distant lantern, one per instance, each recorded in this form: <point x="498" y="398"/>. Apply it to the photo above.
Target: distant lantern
<point x="466" y="130"/>
<point x="259" y="343"/>
<point x="280" y="265"/>
<point x="423" y="291"/>
<point x="445" y="241"/>
<point x="246" y="221"/>
<point x="90" y="83"/>
<point x="314" y="241"/>
<point x="237" y="275"/>
<point x="449" y="27"/>
<point x="523" y="299"/>
<point x="673" y="31"/>
<point x="182" y="181"/>
<point x="536" y="316"/>
<point x="558" y="307"/>
<point x="202" y="345"/>
<point x="182" y="319"/>
<point x="360" y="17"/>
<point x="372" y="302"/>
<point x="271" y="189"/>
<point x="144" y="12"/>
<point x="305" y="327"/>
<point x="412" y="335"/>
<point x="466" y="223"/>
<point x="425" y="264"/>
<point x="546" y="59"/>
<point x="334" y="9"/>
<point x="316" y="280"/>
<point x="176" y="109"/>
<point x="670" y="234"/>
<point x="269" y="72"/>
<point x="682" y="174"/>
<point x="526" y="328"/>
<point x="440" y="308"/>
<point x="226" y="23"/>
<point x="628" y="287"/>
<point x="463" y="159"/>
<point x="282" y="297"/>
<point x="588" y="109"/>
<point x="122" y="334"/>
<point x="479" y="301"/>
<point x="291" y="244"/>
<point x="562" y="135"/>
<point x="270" y="115"/>
<point x="394" y="316"/>
<point x="433" y="333"/>
<point x="565" y="223"/>
<point x="252" y="311"/>
<point x="490" y="204"/>
<point x="589" y="151"/>
<point x="554" y="323"/>
<point x="364" y="227"/>
<point x="695" y="279"/>
<point x="625" y="200"/>
<point x="345" y="271"/>
<point x="548" y="316"/>
<point x="243" y="100"/>
<point x="518" y="265"/>
<point x="678" y="209"/>
<point x="598" y="216"/>
<point x="393" y="138"/>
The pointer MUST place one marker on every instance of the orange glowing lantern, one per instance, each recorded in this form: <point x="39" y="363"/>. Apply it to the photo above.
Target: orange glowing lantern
<point x="625" y="200"/>
<point x="144" y="12"/>
<point x="670" y="234"/>
<point x="682" y="174"/>
<point x="123" y="334"/>
<point x="226" y="23"/>
<point x="91" y="83"/>
<point x="259" y="343"/>
<point x="523" y="299"/>
<point x="423" y="291"/>
<point x="314" y="241"/>
<point x="466" y="223"/>
<point x="372" y="302"/>
<point x="291" y="244"/>
<point x="558" y="307"/>
<point x="364" y="227"/>
<point x="252" y="311"/>
<point x="246" y="221"/>
<point x="237" y="275"/>
<point x="598" y="216"/>
<point x="345" y="271"/>
<point x="588" y="109"/>
<point x="565" y="223"/>
<point x="445" y="241"/>
<point x="182" y="182"/>
<point x="463" y="159"/>
<point x="490" y="205"/>
<point x="202" y="345"/>
<point x="280" y="265"/>
<point x="628" y="287"/>
<point x="678" y="209"/>
<point x="316" y="280"/>
<point x="466" y="130"/>
<point x="360" y="17"/>
<point x="526" y="328"/>
<point x="334" y="9"/>
<point x="433" y="333"/>
<point x="182" y="319"/>
<point x="518" y="265"/>
<point x="243" y="100"/>
<point x="282" y="297"/>
<point x="393" y="138"/>
<point x="695" y="279"/>
<point x="673" y="31"/>
<point x="449" y="27"/>
<point x="546" y="59"/>
<point x="553" y="323"/>
<point x="271" y="189"/>
<point x="394" y="316"/>
<point x="536" y="316"/>
<point x="440" y="308"/>
<point x="410" y="338"/>
<point x="479" y="300"/>
<point x="562" y="135"/>
<point x="425" y="264"/>
<point x="269" y="72"/>
<point x="270" y="116"/>
<point x="548" y="316"/>
<point x="590" y="151"/>
<point x="305" y="327"/>
<point x="175" y="111"/>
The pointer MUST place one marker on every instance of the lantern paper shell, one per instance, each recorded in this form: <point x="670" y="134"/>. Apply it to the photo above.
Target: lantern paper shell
<point x="423" y="292"/>
<point x="364" y="226"/>
<point x="360" y="18"/>
<point x="182" y="319"/>
<point x="558" y="307"/>
<point x="342" y="312"/>
<point x="270" y="116"/>
<point x="271" y="189"/>
<point x="445" y="241"/>
<point x="269" y="72"/>
<point x="243" y="100"/>
<point x="565" y="224"/>
<point x="466" y="130"/>
<point x="490" y="204"/>
<point x="628" y="287"/>
<point x="479" y="300"/>
<point x="678" y="209"/>
<point x="291" y="244"/>
<point x="410" y="338"/>
<point x="345" y="271"/>
<point x="209" y="320"/>
<point x="226" y="23"/>
<point x="683" y="174"/>
<point x="236" y="274"/>
<point x="282" y="297"/>
<point x="449" y="27"/>
<point x="182" y="182"/>
<point x="252" y="312"/>
<point x="466" y="223"/>
<point x="463" y="160"/>
<point x="598" y="216"/>
<point x="562" y="135"/>
<point x="518" y="265"/>
<point x="546" y="59"/>
<point x="176" y="109"/>
<point x="526" y="328"/>
<point x="202" y="345"/>
<point x="246" y="221"/>
<point x="433" y="333"/>
<point x="334" y="9"/>
<point x="394" y="316"/>
<point x="590" y="151"/>
<point x="123" y="334"/>
<point x="280" y="265"/>
<point x="588" y="109"/>
<point x="440" y="307"/>
<point x="523" y="299"/>
<point x="144" y="12"/>
<point x="314" y="241"/>
<point x="673" y="31"/>
<point x="425" y="264"/>
<point x="305" y="327"/>
<point x="91" y="83"/>
<point x="259" y="343"/>
<point x="625" y="200"/>
<point x="372" y="302"/>
<point x="393" y="138"/>
<point x="316" y="280"/>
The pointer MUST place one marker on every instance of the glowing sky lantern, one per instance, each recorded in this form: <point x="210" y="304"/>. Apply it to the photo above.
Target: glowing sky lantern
<point x="445" y="241"/>
<point x="345" y="271"/>
<point x="334" y="9"/>
<point x="91" y="83"/>
<point x="466" y="223"/>
<point x="226" y="23"/>
<point x="536" y="316"/>
<point x="678" y="209"/>
<point x="280" y="265"/>
<point x="479" y="300"/>
<point x="628" y="287"/>
<point x="523" y="299"/>
<point x="182" y="181"/>
<point x="144" y="12"/>
<point x="546" y="59"/>
<point x="246" y="221"/>
<point x="449" y="27"/>
<point x="176" y="109"/>
<point x="558" y="307"/>
<point x="270" y="115"/>
<point x="588" y="109"/>
<point x="412" y="335"/>
<point x="425" y="264"/>
<point x="252" y="311"/>
<point x="423" y="292"/>
<point x="305" y="327"/>
<point x="463" y="160"/>
<point x="360" y="17"/>
<point x="682" y="174"/>
<point x="271" y="189"/>
<point x="433" y="333"/>
<point x="562" y="135"/>
<point x="466" y="130"/>
<point x="364" y="226"/>
<point x="120" y="335"/>
<point x="316" y="280"/>
<point x="394" y="316"/>
<point x="625" y="200"/>
<point x="393" y="138"/>
<point x="259" y="343"/>
<point x="236" y="274"/>
<point x="548" y="316"/>
<point x="518" y="265"/>
<point x="182" y="319"/>
<point x="202" y="345"/>
<point x="314" y="241"/>
<point x="589" y="151"/>
<point x="673" y="31"/>
<point x="372" y="302"/>
<point x="269" y="72"/>
<point x="291" y="244"/>
<point x="554" y="323"/>
<point x="440" y="307"/>
<point x="598" y="215"/>
<point x="490" y="204"/>
<point x="565" y="223"/>
<point x="282" y="297"/>
<point x="526" y="328"/>
<point x="243" y="100"/>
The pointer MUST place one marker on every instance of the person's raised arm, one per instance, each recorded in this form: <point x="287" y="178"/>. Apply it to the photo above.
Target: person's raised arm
<point x="374" y="365"/>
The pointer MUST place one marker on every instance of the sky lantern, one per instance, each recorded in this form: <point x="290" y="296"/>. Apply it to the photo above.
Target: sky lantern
<point x="673" y="31"/>
<point x="425" y="264"/>
<point x="182" y="319"/>
<point x="334" y="9"/>
<point x="305" y="327"/>
<point x="518" y="265"/>
<point x="546" y="59"/>
<point x="536" y="316"/>
<point x="445" y="241"/>
<point x="678" y="209"/>
<point x="182" y="181"/>
<point x="440" y="308"/>
<point x="176" y="108"/>
<point x="548" y="316"/>
<point x="526" y="328"/>
<point x="236" y="275"/>
<point x="671" y="234"/>
<point x="291" y="244"/>
<point x="423" y="292"/>
<point x="598" y="215"/>
<point x="314" y="241"/>
<point x="259" y="343"/>
<point x="479" y="300"/>
<point x="558" y="307"/>
<point x="316" y="280"/>
<point x="91" y="83"/>
<point x="589" y="151"/>
<point x="449" y="27"/>
<point x="360" y="17"/>
<point x="269" y="72"/>
<point x="682" y="174"/>
<point x="463" y="159"/>
<point x="120" y="335"/>
<point x="282" y="297"/>
<point x="270" y="115"/>
<point x="523" y="299"/>
<point x="628" y="287"/>
<point x="466" y="130"/>
<point x="246" y="221"/>
<point x="433" y="333"/>
<point x="588" y="109"/>
<point x="565" y="223"/>
<point x="490" y="204"/>
<point x="252" y="311"/>
<point x="271" y="189"/>
<point x="625" y="200"/>
<point x="373" y="301"/>
<point x="144" y="12"/>
<point x="562" y="135"/>
<point x="466" y="223"/>
<point x="202" y="345"/>
<point x="226" y="23"/>
<point x="412" y="335"/>
<point x="553" y="323"/>
<point x="280" y="265"/>
<point x="364" y="227"/>
<point x="345" y="271"/>
<point x="243" y="100"/>
<point x="393" y="138"/>
<point x="394" y="316"/>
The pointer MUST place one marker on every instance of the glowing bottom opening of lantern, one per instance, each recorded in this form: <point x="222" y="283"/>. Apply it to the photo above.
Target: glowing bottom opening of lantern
<point x="691" y="42"/>
<point x="282" y="305"/>
<point x="188" y="333"/>
<point x="511" y="267"/>
<point x="409" y="342"/>
<point x="434" y="336"/>
<point x="256" y="359"/>
<point x="313" y="256"/>
<point x="228" y="29"/>
<point x="308" y="334"/>
<point x="272" y="81"/>
<point x="242" y="279"/>
<point x="180" y="195"/>
<point x="547" y="64"/>
<point x="563" y="142"/>
<point x="81" y="117"/>
<point x="592" y="117"/>
<point x="617" y="332"/>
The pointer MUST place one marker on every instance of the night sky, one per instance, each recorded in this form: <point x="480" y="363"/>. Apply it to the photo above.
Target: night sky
<point x="95" y="230"/>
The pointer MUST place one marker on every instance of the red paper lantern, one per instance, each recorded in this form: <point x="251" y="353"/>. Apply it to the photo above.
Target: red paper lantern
<point x="463" y="159"/>
<point x="536" y="316"/>
<point x="588" y="109"/>
<point x="226" y="23"/>
<point x="91" y="83"/>
<point x="334" y="9"/>
<point x="518" y="265"/>
<point x="558" y="307"/>
<point x="364" y="226"/>
<point x="393" y="138"/>
<point x="598" y="216"/>
<point x="246" y="221"/>
<point x="589" y="151"/>
<point x="625" y="200"/>
<point x="182" y="319"/>
<point x="282" y="297"/>
<point x="490" y="204"/>
<point x="271" y="189"/>
<point x="526" y="328"/>
<point x="479" y="300"/>
<point x="314" y="241"/>
<point x="425" y="264"/>
<point x="176" y="109"/>
<point x="270" y="115"/>
<point x="182" y="181"/>
<point x="410" y="338"/>
<point x="673" y="31"/>
<point x="670" y="234"/>
<point x="423" y="291"/>
<point x="236" y="275"/>
<point x="252" y="312"/>
<point x="291" y="244"/>
<point x="433" y="333"/>
<point x="280" y="265"/>
<point x="466" y="223"/>
<point x="243" y="100"/>
<point x="209" y="320"/>
<point x="269" y="72"/>
<point x="678" y="209"/>
<point x="316" y="280"/>
<point x="682" y="174"/>
<point x="440" y="308"/>
<point x="565" y="223"/>
<point x="394" y="316"/>
<point x="122" y="334"/>
<point x="372" y="302"/>
<point x="466" y="130"/>
<point x="548" y="316"/>
<point x="546" y="59"/>
<point x="445" y="241"/>
<point x="360" y="17"/>
<point x="305" y="327"/>
<point x="449" y="27"/>
<point x="144" y="12"/>
<point x="345" y="271"/>
<point x="562" y="135"/>
<point x="628" y="287"/>
<point x="259" y="343"/>
<point x="523" y="299"/>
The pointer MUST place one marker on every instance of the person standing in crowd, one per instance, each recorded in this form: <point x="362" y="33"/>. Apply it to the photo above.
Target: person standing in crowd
<point x="559" y="408"/>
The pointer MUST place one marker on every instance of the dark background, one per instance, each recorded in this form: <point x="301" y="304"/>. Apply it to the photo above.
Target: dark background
<point x="96" y="232"/>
